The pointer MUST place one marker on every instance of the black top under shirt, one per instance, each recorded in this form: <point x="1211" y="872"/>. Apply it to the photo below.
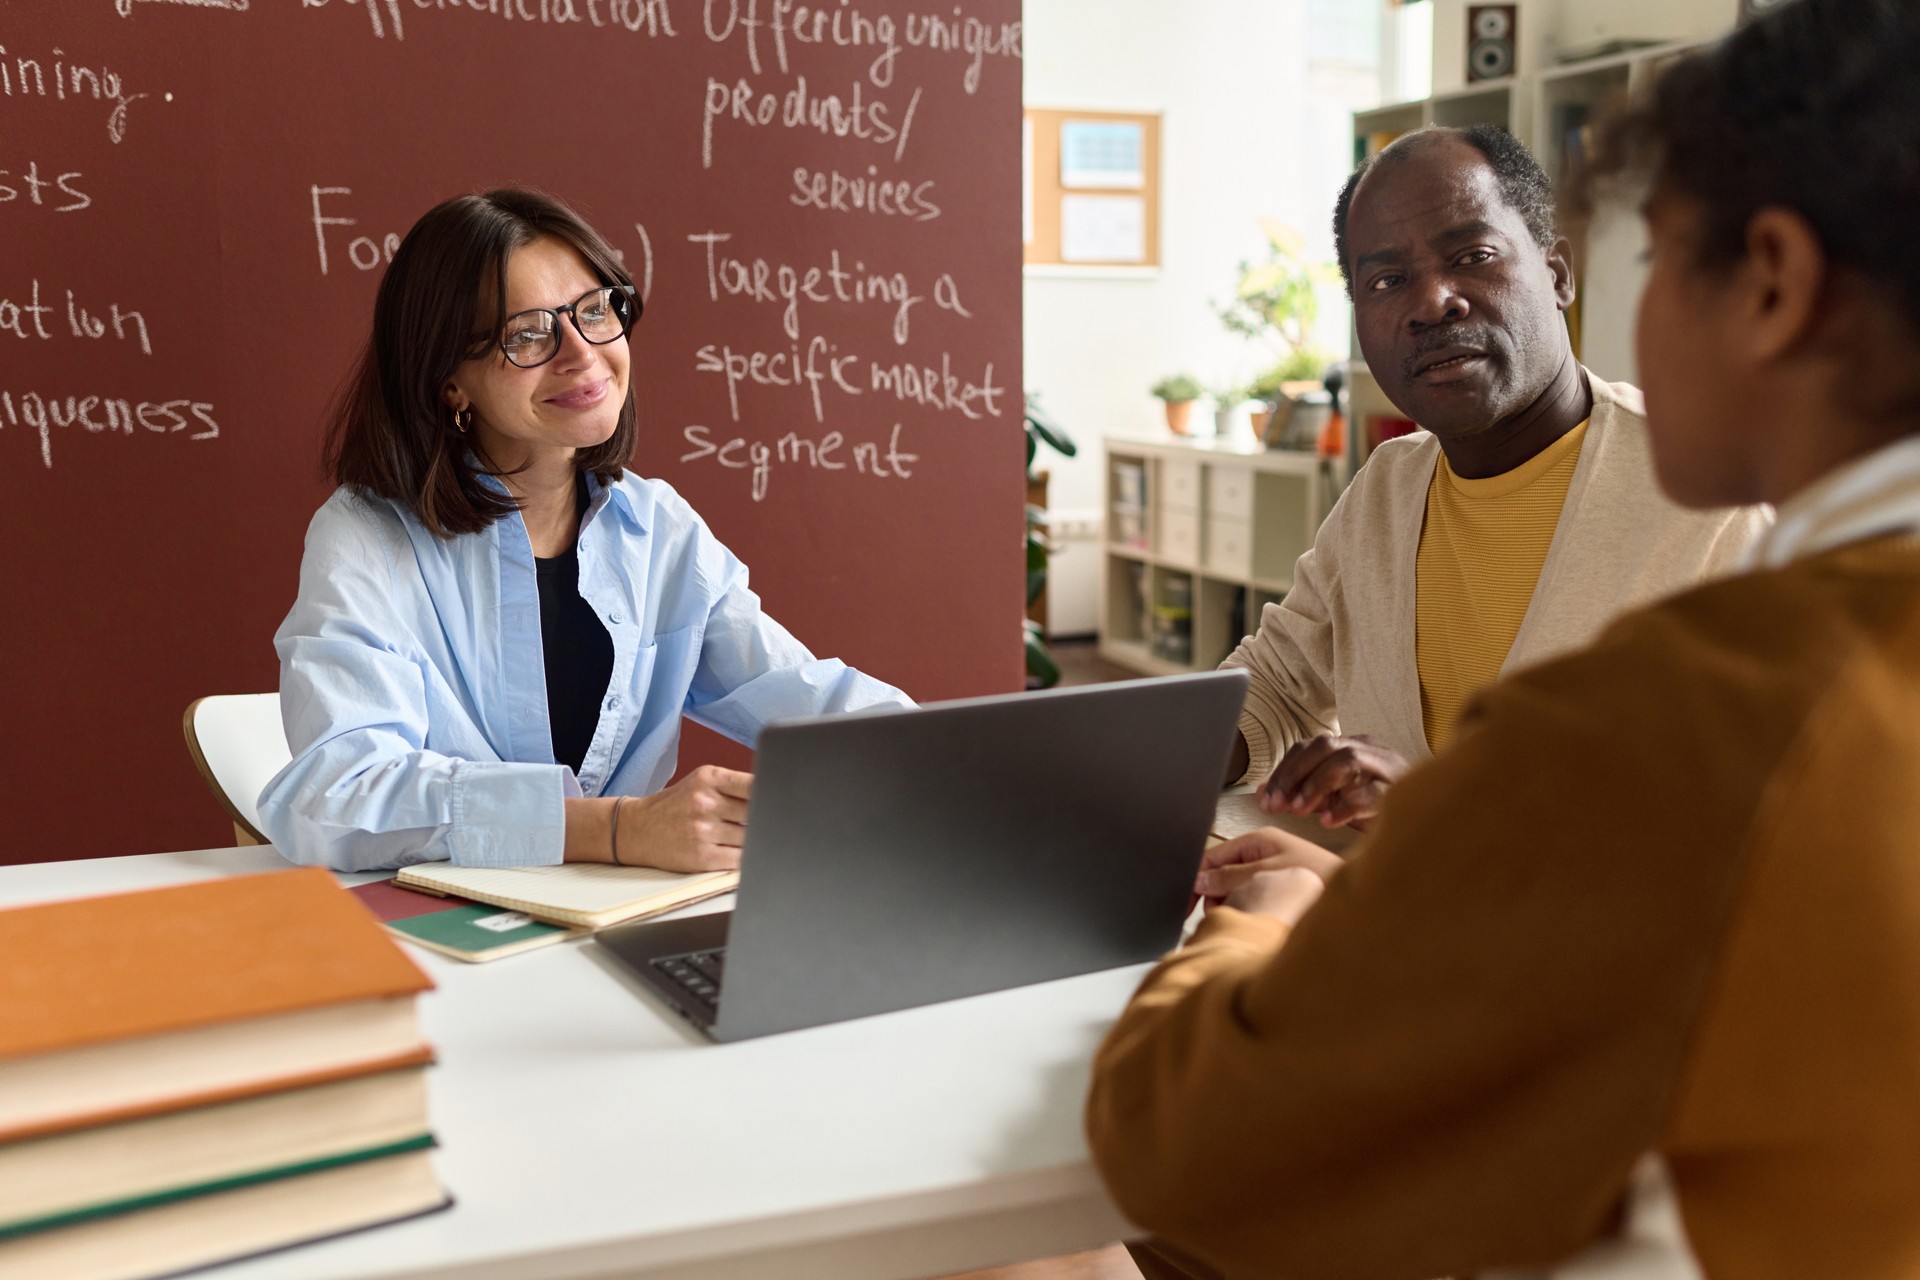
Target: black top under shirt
<point x="578" y="653"/>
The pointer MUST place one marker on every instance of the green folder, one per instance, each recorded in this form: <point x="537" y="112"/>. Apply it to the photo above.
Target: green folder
<point x="479" y="932"/>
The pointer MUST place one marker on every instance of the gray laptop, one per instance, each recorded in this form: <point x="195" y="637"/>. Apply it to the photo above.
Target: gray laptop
<point x="899" y="858"/>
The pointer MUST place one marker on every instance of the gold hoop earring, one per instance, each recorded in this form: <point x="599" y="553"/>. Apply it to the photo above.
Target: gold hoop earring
<point x="462" y="419"/>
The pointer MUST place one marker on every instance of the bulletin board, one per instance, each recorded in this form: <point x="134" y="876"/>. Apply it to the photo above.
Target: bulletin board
<point x="1092" y="189"/>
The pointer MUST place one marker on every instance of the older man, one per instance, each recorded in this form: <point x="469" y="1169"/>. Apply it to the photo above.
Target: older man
<point x="1522" y="520"/>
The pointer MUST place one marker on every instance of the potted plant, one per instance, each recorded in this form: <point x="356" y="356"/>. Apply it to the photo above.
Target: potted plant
<point x="1279" y="388"/>
<point x="1225" y="400"/>
<point x="1277" y="302"/>
<point x="1178" y="392"/>
<point x="1042" y="671"/>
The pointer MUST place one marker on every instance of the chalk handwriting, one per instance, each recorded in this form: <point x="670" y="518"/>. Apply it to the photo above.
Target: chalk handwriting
<point x="847" y="27"/>
<point x="820" y="364"/>
<point x="834" y="191"/>
<point x="757" y="457"/>
<point x="125" y="7"/>
<point x="34" y="319"/>
<point x="375" y="9"/>
<point x="802" y="107"/>
<point x="363" y="252"/>
<point x="939" y="389"/>
<point x="66" y="197"/>
<point x="54" y="77"/>
<point x="96" y="414"/>
<point x="636" y="17"/>
<point x="646" y="252"/>
<point x="764" y="281"/>
<point x="946" y="296"/>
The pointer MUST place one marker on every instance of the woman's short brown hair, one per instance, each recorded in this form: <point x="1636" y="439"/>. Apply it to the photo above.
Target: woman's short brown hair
<point x="392" y="433"/>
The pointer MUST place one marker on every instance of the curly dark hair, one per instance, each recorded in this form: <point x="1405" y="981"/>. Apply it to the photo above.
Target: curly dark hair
<point x="1815" y="108"/>
<point x="1523" y="184"/>
<point x="390" y="433"/>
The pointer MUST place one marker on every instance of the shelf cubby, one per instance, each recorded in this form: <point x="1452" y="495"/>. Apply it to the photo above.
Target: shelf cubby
<point x="1225" y="521"/>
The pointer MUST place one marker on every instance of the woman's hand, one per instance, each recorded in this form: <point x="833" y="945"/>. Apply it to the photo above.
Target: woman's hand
<point x="1267" y="872"/>
<point x="1342" y="780"/>
<point x="697" y="824"/>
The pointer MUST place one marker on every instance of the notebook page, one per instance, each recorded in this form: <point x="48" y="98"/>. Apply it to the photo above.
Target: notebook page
<point x="571" y="886"/>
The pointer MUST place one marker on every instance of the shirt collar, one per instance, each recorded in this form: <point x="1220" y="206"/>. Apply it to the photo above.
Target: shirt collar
<point x="1867" y="498"/>
<point x="600" y="493"/>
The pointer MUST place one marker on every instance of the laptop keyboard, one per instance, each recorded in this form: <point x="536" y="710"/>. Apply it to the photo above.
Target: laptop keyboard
<point x="698" y="974"/>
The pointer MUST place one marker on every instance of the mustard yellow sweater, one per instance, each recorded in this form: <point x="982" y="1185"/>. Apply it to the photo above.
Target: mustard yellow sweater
<point x="1660" y="899"/>
<point x="1481" y="549"/>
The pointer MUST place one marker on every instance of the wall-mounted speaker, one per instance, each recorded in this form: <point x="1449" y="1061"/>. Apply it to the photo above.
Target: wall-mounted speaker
<point x="1493" y="40"/>
<point x="1751" y="9"/>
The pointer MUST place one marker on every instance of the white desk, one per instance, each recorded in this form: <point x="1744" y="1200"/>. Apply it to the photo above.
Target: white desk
<point x="585" y="1133"/>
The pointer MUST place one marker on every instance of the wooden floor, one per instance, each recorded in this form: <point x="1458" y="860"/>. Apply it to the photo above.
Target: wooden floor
<point x="1111" y="1263"/>
<point x="1079" y="664"/>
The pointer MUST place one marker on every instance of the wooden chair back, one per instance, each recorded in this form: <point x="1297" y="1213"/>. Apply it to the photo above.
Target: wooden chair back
<point x="237" y="743"/>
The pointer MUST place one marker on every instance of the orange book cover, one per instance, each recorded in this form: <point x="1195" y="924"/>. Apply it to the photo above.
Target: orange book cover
<point x="93" y="970"/>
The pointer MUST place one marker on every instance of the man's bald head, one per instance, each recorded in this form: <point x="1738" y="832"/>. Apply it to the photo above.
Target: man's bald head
<point x="1523" y="184"/>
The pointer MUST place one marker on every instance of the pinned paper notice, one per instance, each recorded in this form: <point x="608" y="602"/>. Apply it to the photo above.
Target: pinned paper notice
<point x="1103" y="229"/>
<point x="1104" y="154"/>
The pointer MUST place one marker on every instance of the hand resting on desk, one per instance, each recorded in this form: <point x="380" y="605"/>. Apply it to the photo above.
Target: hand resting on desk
<point x="1267" y="872"/>
<point x="1340" y="780"/>
<point x="697" y="824"/>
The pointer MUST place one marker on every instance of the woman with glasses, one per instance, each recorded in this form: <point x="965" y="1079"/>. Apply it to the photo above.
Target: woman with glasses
<point x="499" y="627"/>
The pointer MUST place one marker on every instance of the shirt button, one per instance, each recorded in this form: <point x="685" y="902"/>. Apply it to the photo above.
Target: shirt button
<point x="613" y="702"/>
<point x="614" y="617"/>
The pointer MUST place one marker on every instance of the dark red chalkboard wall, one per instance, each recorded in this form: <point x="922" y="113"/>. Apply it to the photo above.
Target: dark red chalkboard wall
<point x="196" y="197"/>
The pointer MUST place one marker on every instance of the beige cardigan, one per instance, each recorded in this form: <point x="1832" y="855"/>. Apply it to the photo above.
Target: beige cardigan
<point x="1336" y="656"/>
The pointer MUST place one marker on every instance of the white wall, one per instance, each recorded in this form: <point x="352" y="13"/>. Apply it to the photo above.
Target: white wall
<point x="1248" y="131"/>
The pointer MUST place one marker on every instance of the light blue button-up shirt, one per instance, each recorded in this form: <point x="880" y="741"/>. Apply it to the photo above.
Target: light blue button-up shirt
<point x="413" y="688"/>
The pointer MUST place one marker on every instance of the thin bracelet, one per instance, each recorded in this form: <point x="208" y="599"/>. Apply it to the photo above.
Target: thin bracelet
<point x="618" y="801"/>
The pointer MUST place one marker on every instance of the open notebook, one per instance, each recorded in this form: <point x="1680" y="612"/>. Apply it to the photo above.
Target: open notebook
<point x="589" y="895"/>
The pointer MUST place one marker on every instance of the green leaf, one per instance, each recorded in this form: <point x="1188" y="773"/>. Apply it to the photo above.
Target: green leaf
<point x="1048" y="431"/>
<point x="1040" y="663"/>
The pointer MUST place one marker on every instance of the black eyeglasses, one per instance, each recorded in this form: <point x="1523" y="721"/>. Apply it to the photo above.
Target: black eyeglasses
<point x="531" y="338"/>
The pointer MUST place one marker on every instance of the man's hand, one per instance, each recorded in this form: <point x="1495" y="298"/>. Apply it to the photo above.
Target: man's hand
<point x="1342" y="780"/>
<point x="697" y="824"/>
<point x="1268" y="872"/>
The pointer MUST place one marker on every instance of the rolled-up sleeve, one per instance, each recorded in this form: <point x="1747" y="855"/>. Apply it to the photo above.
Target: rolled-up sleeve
<point x="363" y="791"/>
<point x="1290" y="657"/>
<point x="752" y="671"/>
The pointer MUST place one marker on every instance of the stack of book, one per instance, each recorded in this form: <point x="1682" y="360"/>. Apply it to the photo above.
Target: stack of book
<point x="199" y="1073"/>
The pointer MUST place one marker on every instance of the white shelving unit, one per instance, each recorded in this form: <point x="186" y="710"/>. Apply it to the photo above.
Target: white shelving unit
<point x="1201" y="534"/>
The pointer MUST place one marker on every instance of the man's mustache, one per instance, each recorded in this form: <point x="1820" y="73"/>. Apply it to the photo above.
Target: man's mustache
<point x="1468" y="337"/>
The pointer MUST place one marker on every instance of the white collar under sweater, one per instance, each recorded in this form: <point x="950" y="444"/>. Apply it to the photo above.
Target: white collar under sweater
<point x="1869" y="497"/>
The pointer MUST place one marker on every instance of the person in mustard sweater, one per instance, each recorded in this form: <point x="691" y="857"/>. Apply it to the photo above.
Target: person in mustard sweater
<point x="1626" y="981"/>
<point x="1517" y="525"/>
